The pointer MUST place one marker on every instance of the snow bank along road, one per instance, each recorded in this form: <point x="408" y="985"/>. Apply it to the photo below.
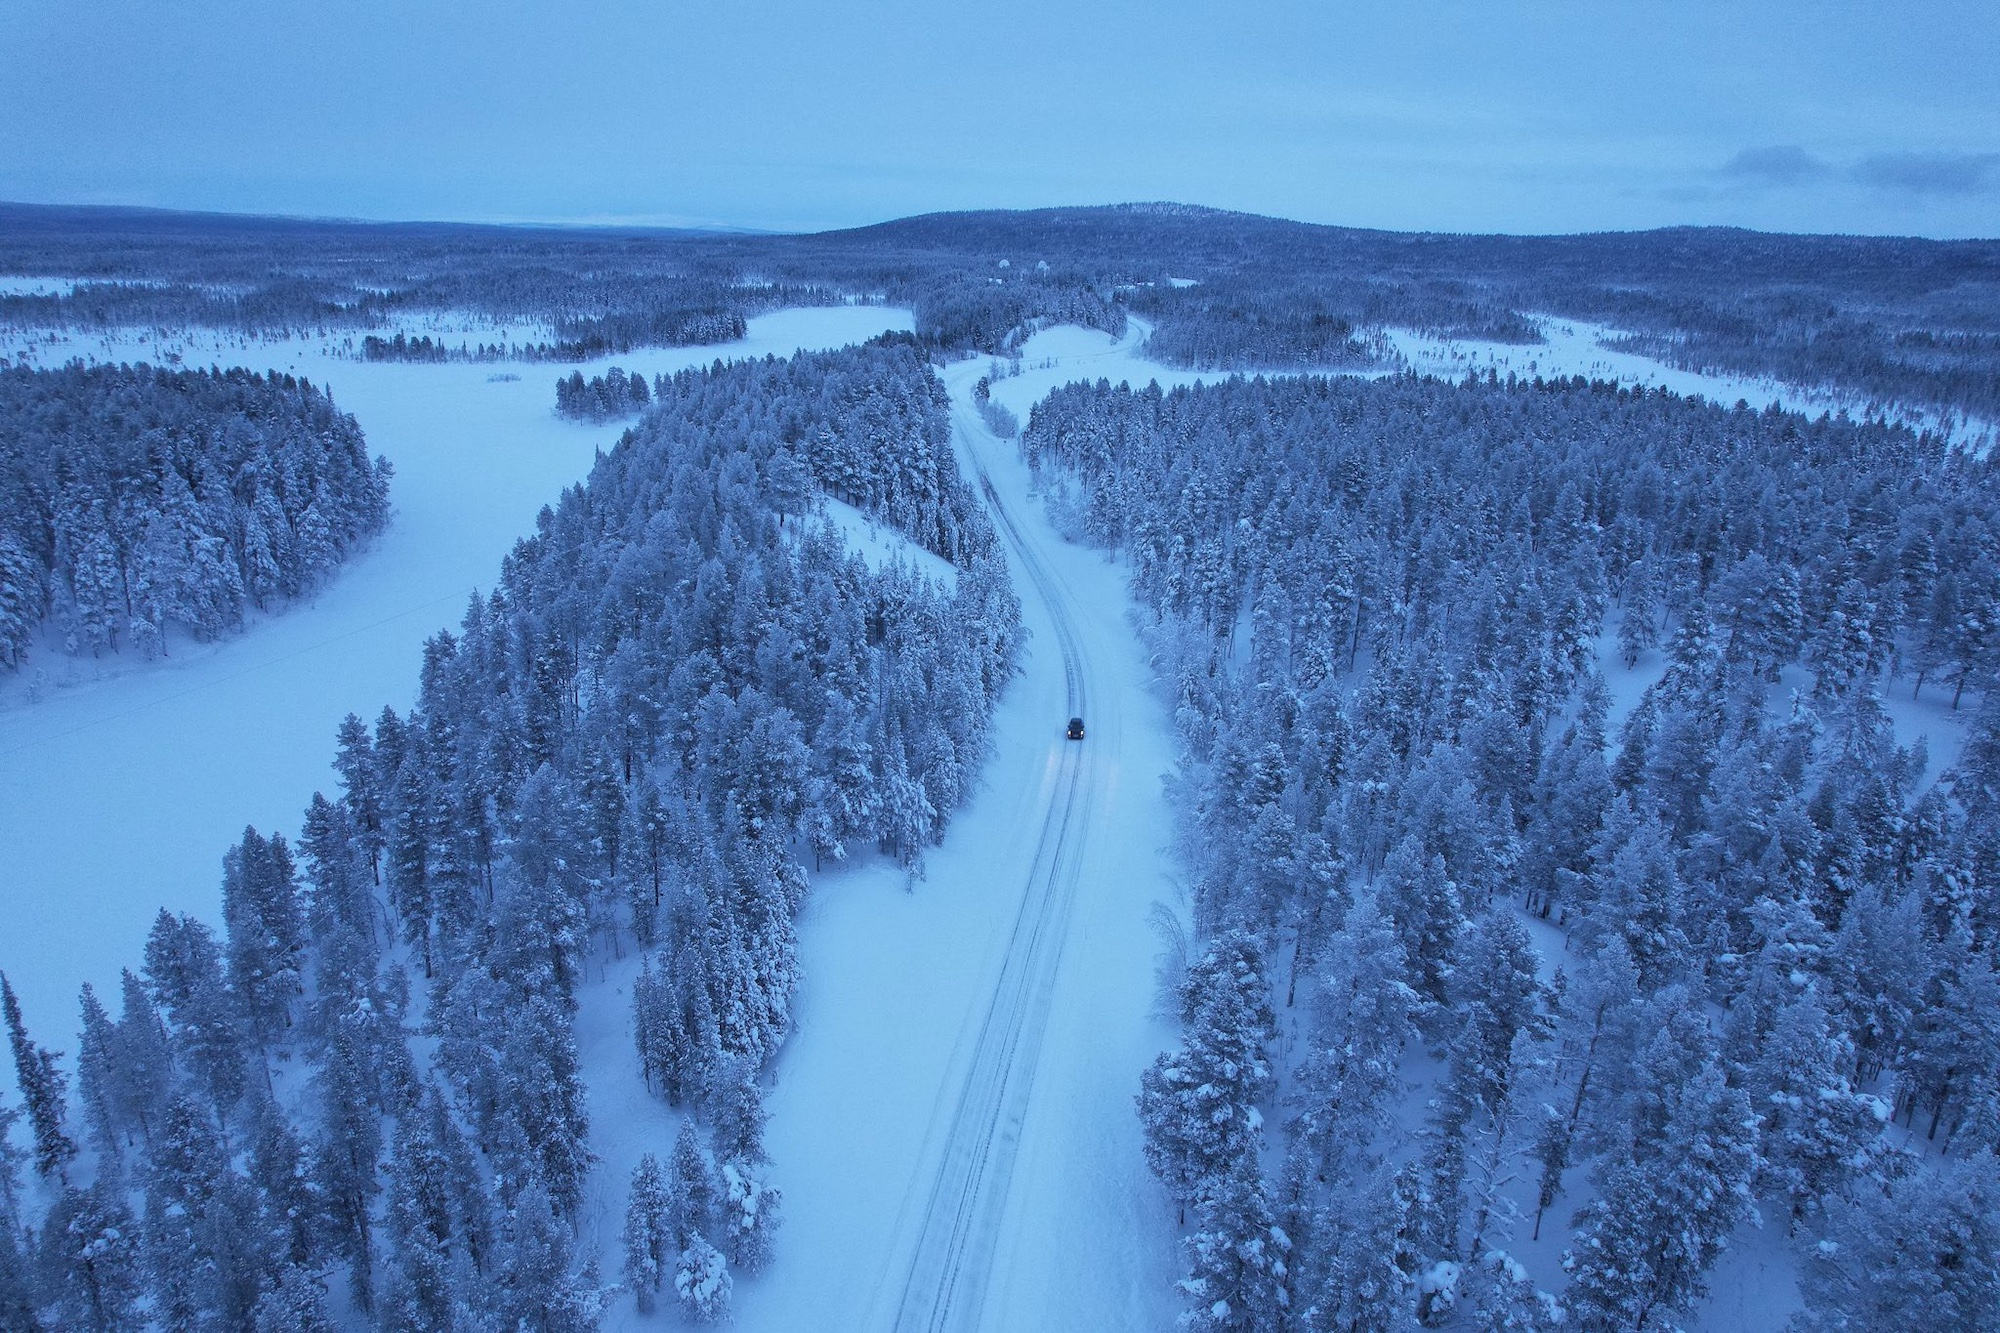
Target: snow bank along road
<point x="954" y="1244"/>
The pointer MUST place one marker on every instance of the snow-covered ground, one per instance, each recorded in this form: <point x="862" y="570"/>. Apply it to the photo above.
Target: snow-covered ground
<point x="14" y="285"/>
<point x="882" y="546"/>
<point x="121" y="788"/>
<point x="1576" y="347"/>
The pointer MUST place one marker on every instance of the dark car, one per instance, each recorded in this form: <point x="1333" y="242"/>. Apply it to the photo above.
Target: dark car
<point x="1075" y="731"/>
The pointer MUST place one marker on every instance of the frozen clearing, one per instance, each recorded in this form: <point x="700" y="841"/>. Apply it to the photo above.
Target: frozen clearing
<point x="15" y="285"/>
<point x="121" y="789"/>
<point x="1575" y="347"/>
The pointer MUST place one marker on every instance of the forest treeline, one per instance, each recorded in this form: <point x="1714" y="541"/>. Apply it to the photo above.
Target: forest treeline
<point x="682" y="685"/>
<point x="576" y="340"/>
<point x="136" y="500"/>
<point x="1377" y="607"/>
<point x="1895" y="319"/>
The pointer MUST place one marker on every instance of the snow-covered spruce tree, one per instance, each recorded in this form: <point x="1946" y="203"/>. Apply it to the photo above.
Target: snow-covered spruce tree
<point x="1644" y="1244"/>
<point x="1198" y="1104"/>
<point x="648" y="1237"/>
<point x="44" y="1090"/>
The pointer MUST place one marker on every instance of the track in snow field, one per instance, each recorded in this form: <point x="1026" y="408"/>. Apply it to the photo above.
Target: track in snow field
<point x="945" y="1285"/>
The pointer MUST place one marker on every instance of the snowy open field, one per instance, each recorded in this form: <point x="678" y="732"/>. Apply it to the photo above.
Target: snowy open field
<point x="12" y="285"/>
<point x="1576" y="347"/>
<point x="123" y="785"/>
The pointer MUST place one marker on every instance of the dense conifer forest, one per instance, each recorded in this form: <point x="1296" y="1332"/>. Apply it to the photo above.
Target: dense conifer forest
<point x="134" y="501"/>
<point x="1375" y="605"/>
<point x="681" y="689"/>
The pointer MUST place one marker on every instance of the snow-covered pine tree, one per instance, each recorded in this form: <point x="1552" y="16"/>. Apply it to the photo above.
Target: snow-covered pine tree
<point x="184" y="972"/>
<point x="702" y="1281"/>
<point x="44" y="1091"/>
<point x="1418" y="894"/>
<point x="295" y="1302"/>
<point x="91" y="1261"/>
<point x="691" y="1187"/>
<point x="1239" y="1258"/>
<point x="1916" y="1248"/>
<point x="1363" y="1017"/>
<point x="1198" y="1104"/>
<point x="1816" y="1128"/>
<point x="747" y="1215"/>
<point x="648" y="1237"/>
<point x="1644" y="1245"/>
<point x="205" y="1257"/>
<point x="98" y="1080"/>
<point x="265" y="929"/>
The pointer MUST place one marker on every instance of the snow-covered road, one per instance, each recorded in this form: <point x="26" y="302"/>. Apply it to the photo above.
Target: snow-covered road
<point x="953" y="1250"/>
<point x="952" y="1120"/>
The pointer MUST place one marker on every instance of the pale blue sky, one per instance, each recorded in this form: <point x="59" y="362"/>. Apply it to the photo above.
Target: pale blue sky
<point x="1488" y="117"/>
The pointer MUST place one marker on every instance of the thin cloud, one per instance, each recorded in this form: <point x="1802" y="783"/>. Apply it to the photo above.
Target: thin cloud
<point x="1930" y="173"/>
<point x="1786" y="164"/>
